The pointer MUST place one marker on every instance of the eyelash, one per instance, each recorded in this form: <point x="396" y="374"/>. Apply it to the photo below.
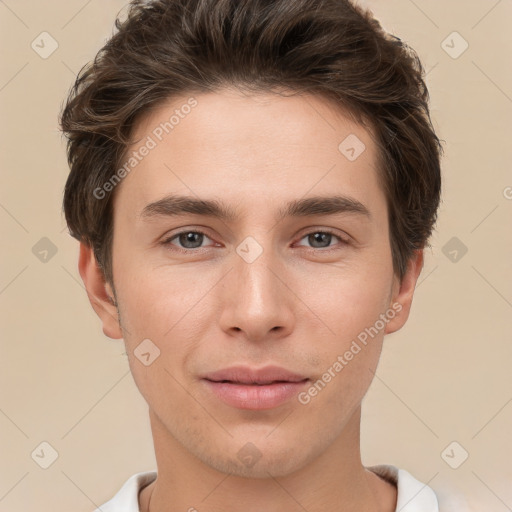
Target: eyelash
<point x="167" y="242"/>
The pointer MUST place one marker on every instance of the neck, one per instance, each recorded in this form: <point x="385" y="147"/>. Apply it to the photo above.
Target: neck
<point x="336" y="480"/>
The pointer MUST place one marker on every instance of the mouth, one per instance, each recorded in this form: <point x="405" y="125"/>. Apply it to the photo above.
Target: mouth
<point x="265" y="383"/>
<point x="255" y="393"/>
<point x="254" y="376"/>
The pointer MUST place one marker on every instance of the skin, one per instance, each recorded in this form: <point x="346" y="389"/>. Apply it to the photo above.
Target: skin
<point x="298" y="305"/>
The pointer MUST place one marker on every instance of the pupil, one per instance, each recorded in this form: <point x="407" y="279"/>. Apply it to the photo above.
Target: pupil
<point x="190" y="237"/>
<point x="317" y="237"/>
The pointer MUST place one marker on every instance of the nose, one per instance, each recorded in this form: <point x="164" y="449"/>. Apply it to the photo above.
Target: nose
<point x="257" y="302"/>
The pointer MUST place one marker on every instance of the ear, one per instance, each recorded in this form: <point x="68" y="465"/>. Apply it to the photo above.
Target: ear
<point x="99" y="292"/>
<point x="403" y="292"/>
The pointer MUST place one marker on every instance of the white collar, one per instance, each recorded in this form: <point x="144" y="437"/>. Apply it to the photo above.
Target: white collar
<point x="412" y="495"/>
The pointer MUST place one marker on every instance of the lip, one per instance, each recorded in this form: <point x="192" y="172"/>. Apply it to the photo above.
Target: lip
<point x="253" y="396"/>
<point x="249" y="388"/>
<point x="248" y="375"/>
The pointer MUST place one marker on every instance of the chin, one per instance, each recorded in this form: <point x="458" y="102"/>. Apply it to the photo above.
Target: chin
<point x="252" y="462"/>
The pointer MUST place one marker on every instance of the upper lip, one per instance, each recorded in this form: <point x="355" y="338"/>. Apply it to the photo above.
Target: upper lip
<point x="247" y="375"/>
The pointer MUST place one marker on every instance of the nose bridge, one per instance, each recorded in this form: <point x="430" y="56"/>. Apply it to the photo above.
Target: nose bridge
<point x="254" y="271"/>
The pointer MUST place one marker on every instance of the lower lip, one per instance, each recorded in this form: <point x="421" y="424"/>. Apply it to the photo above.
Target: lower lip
<point x="244" y="396"/>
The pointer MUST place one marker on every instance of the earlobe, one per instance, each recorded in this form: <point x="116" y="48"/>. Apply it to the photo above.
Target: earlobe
<point x="99" y="292"/>
<point x="403" y="293"/>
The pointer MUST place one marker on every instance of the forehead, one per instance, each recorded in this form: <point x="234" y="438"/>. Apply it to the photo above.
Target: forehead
<point x="250" y="118"/>
<point x="248" y="147"/>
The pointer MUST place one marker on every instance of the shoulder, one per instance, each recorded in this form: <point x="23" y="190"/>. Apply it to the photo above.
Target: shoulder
<point x="414" y="495"/>
<point x="127" y="498"/>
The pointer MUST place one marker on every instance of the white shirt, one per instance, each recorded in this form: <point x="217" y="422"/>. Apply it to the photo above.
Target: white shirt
<point x="412" y="495"/>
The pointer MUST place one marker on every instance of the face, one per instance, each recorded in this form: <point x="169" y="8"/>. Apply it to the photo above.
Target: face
<point x="298" y="275"/>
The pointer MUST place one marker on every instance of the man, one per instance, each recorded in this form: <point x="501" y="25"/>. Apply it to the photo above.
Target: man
<point x="253" y="184"/>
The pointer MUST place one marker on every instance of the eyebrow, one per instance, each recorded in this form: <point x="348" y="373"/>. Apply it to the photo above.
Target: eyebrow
<point x="178" y="205"/>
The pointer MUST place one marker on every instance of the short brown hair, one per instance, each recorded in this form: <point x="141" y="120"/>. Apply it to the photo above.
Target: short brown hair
<point x="331" y="48"/>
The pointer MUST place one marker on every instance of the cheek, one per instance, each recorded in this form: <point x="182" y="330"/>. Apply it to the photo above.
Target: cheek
<point x="164" y="312"/>
<point x="355" y="310"/>
<point x="348" y="302"/>
<point x="170" y="309"/>
<point x="160" y="303"/>
<point x="349" y="362"/>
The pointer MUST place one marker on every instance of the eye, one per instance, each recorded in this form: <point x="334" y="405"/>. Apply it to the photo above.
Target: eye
<point x="321" y="239"/>
<point x="191" y="239"/>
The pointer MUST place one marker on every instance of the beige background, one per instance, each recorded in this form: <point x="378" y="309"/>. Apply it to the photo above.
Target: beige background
<point x="445" y="377"/>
